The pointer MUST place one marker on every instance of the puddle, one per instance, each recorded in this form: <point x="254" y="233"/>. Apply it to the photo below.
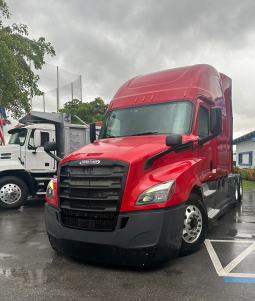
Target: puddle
<point x="244" y="222"/>
<point x="28" y="277"/>
<point x="37" y="245"/>
<point x="5" y="256"/>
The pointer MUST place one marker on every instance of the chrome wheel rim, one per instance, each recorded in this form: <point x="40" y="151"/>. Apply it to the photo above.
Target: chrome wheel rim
<point x="236" y="192"/>
<point x="10" y="193"/>
<point x="192" y="224"/>
<point x="241" y="189"/>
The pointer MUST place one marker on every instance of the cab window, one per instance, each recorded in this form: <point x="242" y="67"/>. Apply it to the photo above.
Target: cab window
<point x="45" y="137"/>
<point x="203" y="122"/>
<point x="31" y="140"/>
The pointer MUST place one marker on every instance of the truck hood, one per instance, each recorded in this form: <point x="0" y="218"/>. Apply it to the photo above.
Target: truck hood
<point x="9" y="157"/>
<point x="124" y="148"/>
<point x="9" y="150"/>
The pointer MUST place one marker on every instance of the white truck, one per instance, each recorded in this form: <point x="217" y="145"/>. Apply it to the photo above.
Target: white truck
<point x="24" y="166"/>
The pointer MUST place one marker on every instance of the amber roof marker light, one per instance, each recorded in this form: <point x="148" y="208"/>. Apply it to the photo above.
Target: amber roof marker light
<point x="184" y="93"/>
<point x="136" y="99"/>
<point x="144" y="98"/>
<point x="152" y="97"/>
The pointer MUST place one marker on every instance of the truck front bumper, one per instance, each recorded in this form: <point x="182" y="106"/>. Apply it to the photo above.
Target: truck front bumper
<point x="150" y="237"/>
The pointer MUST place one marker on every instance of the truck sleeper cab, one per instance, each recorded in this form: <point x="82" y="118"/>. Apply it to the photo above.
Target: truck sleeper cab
<point x="160" y="171"/>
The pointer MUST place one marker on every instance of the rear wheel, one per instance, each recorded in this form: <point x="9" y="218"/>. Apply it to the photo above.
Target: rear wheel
<point x="194" y="226"/>
<point x="240" y="189"/>
<point x="13" y="192"/>
<point x="236" y="193"/>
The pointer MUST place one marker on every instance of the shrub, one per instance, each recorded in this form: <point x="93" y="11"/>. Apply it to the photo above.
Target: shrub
<point x="246" y="173"/>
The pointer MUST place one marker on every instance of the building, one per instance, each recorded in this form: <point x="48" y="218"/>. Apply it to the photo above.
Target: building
<point x="245" y="150"/>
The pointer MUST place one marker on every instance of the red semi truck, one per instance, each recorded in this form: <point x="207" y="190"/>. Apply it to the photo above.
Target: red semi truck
<point x="148" y="188"/>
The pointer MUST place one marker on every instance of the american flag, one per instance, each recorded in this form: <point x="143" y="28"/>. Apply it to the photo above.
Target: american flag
<point x="2" y="120"/>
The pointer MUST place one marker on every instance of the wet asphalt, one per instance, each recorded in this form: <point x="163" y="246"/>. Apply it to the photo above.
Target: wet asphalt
<point x="31" y="270"/>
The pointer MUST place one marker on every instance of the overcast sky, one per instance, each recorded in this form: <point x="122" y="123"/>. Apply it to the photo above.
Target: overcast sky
<point x="111" y="41"/>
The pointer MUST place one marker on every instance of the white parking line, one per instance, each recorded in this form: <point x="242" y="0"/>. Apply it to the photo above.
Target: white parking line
<point x="215" y="259"/>
<point x="226" y="271"/>
<point x="239" y="258"/>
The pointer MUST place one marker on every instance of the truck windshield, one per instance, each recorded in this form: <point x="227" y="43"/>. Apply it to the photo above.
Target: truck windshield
<point x="162" y="118"/>
<point x="18" y="137"/>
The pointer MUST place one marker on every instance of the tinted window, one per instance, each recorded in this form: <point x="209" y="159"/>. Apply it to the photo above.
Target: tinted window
<point x="44" y="138"/>
<point x="203" y="122"/>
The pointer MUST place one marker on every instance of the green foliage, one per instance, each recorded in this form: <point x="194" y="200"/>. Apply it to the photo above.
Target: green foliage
<point x="6" y="122"/>
<point x="88" y="112"/>
<point x="4" y="9"/>
<point x="17" y="81"/>
<point x="246" y="173"/>
<point x="248" y="185"/>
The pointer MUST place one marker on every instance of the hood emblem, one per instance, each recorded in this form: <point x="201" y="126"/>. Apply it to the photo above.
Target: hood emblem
<point x="89" y="161"/>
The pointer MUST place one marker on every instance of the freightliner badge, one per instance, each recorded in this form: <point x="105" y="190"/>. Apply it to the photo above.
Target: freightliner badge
<point x="90" y="161"/>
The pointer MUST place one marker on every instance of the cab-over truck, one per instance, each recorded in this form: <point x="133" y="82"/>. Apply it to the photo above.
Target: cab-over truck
<point x="148" y="188"/>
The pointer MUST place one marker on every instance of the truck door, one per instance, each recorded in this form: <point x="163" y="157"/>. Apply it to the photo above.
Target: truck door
<point x="37" y="160"/>
<point x="204" y="152"/>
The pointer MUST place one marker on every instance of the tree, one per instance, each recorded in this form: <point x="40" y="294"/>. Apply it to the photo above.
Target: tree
<point x="89" y="112"/>
<point x="17" y="81"/>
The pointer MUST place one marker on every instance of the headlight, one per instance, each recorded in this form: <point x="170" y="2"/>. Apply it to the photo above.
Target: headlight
<point x="50" y="191"/>
<point x="160" y="193"/>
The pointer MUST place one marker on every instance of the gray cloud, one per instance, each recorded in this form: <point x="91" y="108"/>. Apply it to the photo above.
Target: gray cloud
<point x="110" y="41"/>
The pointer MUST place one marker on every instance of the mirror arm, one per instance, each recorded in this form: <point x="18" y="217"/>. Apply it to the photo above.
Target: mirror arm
<point x="53" y="156"/>
<point x="149" y="162"/>
<point x="177" y="149"/>
<point x="202" y="141"/>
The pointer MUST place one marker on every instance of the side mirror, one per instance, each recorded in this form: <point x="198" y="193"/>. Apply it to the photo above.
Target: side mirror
<point x="174" y="140"/>
<point x="92" y="127"/>
<point x="37" y="139"/>
<point x="50" y="146"/>
<point x="216" y="120"/>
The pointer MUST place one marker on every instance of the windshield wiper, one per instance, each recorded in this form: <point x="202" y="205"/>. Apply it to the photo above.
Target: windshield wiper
<point x="109" y="136"/>
<point x="145" y="133"/>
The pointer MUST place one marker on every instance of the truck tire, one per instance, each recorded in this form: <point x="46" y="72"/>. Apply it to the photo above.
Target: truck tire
<point x="13" y="192"/>
<point x="240" y="189"/>
<point x="236" y="192"/>
<point x="195" y="225"/>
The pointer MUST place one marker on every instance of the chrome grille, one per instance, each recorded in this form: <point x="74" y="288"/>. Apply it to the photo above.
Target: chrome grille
<point x="92" y="187"/>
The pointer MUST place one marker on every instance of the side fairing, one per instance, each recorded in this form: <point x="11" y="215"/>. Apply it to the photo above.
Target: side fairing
<point x="227" y="91"/>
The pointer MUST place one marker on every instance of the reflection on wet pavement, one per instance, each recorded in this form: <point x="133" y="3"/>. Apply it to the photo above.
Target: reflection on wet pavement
<point x="31" y="270"/>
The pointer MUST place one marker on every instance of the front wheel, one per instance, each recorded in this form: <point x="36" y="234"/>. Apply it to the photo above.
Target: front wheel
<point x="13" y="192"/>
<point x="194" y="225"/>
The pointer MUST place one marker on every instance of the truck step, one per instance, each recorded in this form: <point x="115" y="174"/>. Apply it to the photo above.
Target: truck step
<point x="41" y="193"/>
<point x="208" y="193"/>
<point x="213" y="212"/>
